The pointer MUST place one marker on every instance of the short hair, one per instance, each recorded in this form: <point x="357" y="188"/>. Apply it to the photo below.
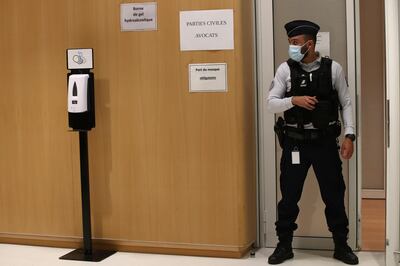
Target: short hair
<point x="308" y="37"/>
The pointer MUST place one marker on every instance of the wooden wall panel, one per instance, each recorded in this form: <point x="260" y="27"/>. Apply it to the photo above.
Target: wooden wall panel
<point x="169" y="169"/>
<point x="39" y="177"/>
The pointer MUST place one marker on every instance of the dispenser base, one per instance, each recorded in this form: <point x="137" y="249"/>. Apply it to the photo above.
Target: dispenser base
<point x="95" y="256"/>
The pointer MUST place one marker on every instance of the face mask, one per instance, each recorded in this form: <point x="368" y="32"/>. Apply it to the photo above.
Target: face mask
<point x="295" y="52"/>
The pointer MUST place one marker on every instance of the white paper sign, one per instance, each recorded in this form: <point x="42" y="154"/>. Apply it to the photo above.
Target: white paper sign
<point x="207" y="30"/>
<point x="208" y="77"/>
<point x="139" y="16"/>
<point x="323" y="44"/>
<point x="80" y="58"/>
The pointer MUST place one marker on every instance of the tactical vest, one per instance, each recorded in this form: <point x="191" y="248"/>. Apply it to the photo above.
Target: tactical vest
<point x="316" y="83"/>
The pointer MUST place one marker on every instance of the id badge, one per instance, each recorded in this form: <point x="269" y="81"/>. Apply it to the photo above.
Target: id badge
<point x="295" y="156"/>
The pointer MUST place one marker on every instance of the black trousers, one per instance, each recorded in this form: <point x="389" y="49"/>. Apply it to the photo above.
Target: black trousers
<point x="323" y="155"/>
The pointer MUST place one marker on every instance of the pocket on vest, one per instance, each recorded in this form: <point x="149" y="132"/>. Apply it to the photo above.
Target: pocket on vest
<point x="321" y="115"/>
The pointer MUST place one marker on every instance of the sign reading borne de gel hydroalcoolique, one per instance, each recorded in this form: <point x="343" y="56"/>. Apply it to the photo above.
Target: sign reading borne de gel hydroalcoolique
<point x="207" y="30"/>
<point x="139" y="16"/>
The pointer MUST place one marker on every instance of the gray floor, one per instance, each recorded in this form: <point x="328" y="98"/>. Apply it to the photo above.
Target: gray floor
<point x="11" y="255"/>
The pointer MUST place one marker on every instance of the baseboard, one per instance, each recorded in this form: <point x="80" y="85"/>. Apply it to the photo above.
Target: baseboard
<point x="373" y="194"/>
<point x="219" y="251"/>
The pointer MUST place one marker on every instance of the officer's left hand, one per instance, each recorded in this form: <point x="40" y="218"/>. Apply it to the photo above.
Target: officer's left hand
<point x="347" y="149"/>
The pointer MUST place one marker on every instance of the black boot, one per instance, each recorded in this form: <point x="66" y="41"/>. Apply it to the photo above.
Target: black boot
<point x="344" y="253"/>
<point x="282" y="252"/>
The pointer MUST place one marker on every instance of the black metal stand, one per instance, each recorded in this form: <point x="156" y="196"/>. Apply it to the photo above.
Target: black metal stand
<point x="87" y="253"/>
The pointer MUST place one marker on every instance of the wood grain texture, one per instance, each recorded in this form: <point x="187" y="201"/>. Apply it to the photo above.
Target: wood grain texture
<point x="373" y="225"/>
<point x="127" y="246"/>
<point x="166" y="166"/>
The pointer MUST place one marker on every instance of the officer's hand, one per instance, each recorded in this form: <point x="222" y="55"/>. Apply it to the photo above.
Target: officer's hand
<point x="307" y="102"/>
<point x="347" y="149"/>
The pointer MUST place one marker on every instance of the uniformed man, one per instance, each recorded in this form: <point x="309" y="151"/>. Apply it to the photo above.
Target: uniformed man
<point x="311" y="90"/>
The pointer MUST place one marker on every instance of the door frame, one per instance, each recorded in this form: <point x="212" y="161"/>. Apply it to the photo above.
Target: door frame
<point x="393" y="132"/>
<point x="266" y="136"/>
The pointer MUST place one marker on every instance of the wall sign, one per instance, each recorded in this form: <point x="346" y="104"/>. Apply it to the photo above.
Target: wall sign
<point x="139" y="16"/>
<point x="80" y="58"/>
<point x="207" y="30"/>
<point x="208" y="77"/>
<point x="323" y="44"/>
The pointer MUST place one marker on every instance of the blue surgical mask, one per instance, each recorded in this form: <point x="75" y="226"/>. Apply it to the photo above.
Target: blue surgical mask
<point x="295" y="52"/>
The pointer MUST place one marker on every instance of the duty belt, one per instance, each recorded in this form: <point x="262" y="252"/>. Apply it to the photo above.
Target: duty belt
<point x="310" y="134"/>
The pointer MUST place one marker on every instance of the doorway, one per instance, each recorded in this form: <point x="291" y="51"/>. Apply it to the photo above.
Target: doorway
<point x="272" y="16"/>
<point x="386" y="193"/>
<point x="372" y="123"/>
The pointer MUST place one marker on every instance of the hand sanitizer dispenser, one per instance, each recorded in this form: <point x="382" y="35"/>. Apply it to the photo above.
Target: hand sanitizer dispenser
<point x="81" y="111"/>
<point x="78" y="93"/>
<point x="81" y="118"/>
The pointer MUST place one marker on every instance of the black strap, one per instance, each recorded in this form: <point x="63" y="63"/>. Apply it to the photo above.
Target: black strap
<point x="326" y="68"/>
<point x="295" y="70"/>
<point x="291" y="62"/>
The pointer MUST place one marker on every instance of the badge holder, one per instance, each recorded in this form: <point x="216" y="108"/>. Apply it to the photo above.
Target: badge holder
<point x="295" y="156"/>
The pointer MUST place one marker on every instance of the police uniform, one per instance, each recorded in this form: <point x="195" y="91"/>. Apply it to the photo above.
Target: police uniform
<point x="310" y="138"/>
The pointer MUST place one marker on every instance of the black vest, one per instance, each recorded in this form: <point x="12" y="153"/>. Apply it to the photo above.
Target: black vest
<point x="316" y="83"/>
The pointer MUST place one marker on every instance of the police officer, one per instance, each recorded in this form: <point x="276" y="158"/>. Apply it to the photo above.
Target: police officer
<point x="311" y="90"/>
